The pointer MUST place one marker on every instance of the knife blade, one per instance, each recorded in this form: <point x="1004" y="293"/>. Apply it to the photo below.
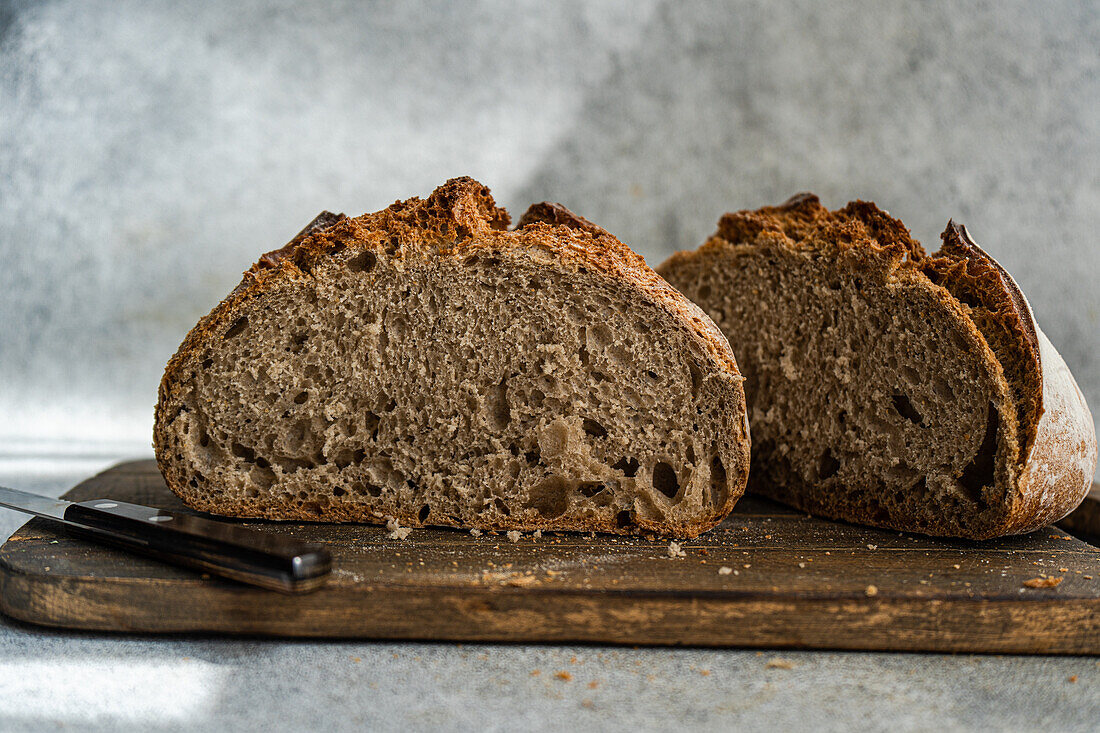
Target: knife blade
<point x="250" y="556"/>
<point x="40" y="506"/>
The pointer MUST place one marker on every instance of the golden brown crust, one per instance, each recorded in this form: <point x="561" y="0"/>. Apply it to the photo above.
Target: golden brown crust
<point x="459" y="219"/>
<point x="1000" y="311"/>
<point x="342" y="513"/>
<point x="547" y="212"/>
<point x="1055" y="449"/>
<point x="802" y="222"/>
<point x="322" y="221"/>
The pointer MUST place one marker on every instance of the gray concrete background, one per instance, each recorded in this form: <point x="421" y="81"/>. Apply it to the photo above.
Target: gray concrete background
<point x="209" y="684"/>
<point x="149" y="151"/>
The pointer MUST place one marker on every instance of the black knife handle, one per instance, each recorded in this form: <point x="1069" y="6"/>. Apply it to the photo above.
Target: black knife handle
<point x="259" y="558"/>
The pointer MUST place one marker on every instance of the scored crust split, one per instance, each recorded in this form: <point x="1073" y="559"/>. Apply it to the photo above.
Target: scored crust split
<point x="427" y="365"/>
<point x="888" y="386"/>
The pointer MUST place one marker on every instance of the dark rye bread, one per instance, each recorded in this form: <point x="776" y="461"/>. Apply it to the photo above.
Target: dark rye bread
<point x="888" y="386"/>
<point x="425" y="365"/>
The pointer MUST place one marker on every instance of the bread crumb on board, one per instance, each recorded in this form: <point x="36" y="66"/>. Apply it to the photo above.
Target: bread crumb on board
<point x="871" y="590"/>
<point x="397" y="532"/>
<point x="778" y="663"/>
<point x="674" y="550"/>
<point x="513" y="536"/>
<point x="1046" y="582"/>
<point x="521" y="581"/>
<point x="564" y="676"/>
<point x="724" y="570"/>
<point x="475" y="532"/>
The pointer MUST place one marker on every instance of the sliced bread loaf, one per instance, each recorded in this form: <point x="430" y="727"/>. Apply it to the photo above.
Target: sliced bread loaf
<point x="888" y="386"/>
<point x="424" y="365"/>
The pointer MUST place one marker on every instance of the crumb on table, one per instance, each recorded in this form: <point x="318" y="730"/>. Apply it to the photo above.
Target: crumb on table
<point x="1042" y="582"/>
<point x="397" y="532"/>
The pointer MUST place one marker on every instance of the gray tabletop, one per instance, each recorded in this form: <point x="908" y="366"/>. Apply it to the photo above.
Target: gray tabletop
<point x="55" y="679"/>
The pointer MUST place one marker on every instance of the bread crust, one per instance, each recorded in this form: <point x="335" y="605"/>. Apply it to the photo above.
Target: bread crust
<point x="459" y="220"/>
<point x="1061" y="463"/>
<point x="1000" y="310"/>
<point x="1055" y="442"/>
<point x="548" y="212"/>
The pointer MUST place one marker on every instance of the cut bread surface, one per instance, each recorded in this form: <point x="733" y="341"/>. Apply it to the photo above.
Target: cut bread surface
<point x="425" y="365"/>
<point x="887" y="386"/>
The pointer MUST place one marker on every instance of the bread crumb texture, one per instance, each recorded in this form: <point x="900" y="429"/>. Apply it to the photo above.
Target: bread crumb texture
<point x="887" y="385"/>
<point x="428" y="365"/>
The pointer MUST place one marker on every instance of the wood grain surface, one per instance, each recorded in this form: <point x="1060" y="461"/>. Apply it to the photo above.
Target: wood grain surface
<point x="793" y="581"/>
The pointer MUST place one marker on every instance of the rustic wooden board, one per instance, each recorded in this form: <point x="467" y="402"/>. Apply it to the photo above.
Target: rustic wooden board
<point x="794" y="582"/>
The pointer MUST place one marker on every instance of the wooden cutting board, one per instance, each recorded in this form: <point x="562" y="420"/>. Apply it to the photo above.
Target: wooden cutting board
<point x="792" y="581"/>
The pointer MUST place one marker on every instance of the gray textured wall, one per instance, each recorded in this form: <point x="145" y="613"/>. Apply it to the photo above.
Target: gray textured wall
<point x="149" y="151"/>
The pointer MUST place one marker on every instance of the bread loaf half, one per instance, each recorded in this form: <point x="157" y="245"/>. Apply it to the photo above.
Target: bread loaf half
<point x="888" y="386"/>
<point x="428" y="366"/>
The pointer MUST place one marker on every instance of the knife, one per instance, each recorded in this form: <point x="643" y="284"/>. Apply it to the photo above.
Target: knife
<point x="249" y="556"/>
